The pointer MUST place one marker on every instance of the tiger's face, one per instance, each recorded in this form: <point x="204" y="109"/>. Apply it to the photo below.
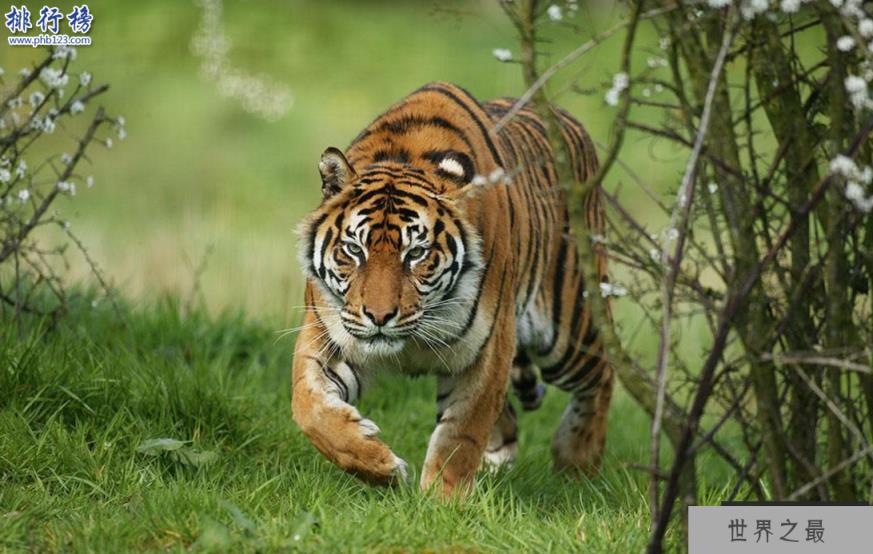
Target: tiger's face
<point x="394" y="258"/>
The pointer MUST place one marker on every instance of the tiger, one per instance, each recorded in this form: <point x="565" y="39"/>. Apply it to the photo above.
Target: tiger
<point x="443" y="246"/>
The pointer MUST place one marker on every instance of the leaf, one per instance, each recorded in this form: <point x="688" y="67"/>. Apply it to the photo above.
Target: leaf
<point x="193" y="457"/>
<point x="155" y="447"/>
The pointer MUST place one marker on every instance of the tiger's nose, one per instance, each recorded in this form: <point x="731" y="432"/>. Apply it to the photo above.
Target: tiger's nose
<point x="380" y="316"/>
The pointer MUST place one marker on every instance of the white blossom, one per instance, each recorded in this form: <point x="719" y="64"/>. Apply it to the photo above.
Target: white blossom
<point x="84" y="78"/>
<point x="36" y="98"/>
<point x="608" y="289"/>
<point x="619" y="83"/>
<point x="857" y="88"/>
<point x="64" y="52"/>
<point x="843" y="165"/>
<point x="672" y="233"/>
<point x="496" y="175"/>
<point x="67" y="186"/>
<point x="845" y="43"/>
<point x="655" y="254"/>
<point x="502" y="54"/>
<point x="855" y="194"/>
<point x="48" y="125"/>
<point x="66" y="158"/>
<point x="790" y="6"/>
<point x="865" y="27"/>
<point x="712" y="187"/>
<point x="664" y="42"/>
<point x="108" y="143"/>
<point x="23" y="195"/>
<point x="25" y="72"/>
<point x="122" y="134"/>
<point x="598" y="239"/>
<point x="54" y="78"/>
<point x="77" y="107"/>
<point x="89" y="181"/>
<point x="5" y="175"/>
<point x="21" y="169"/>
<point x="554" y="12"/>
<point x="751" y="8"/>
<point x="718" y="3"/>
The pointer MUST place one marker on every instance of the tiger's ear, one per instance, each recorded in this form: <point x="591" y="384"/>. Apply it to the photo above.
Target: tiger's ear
<point x="335" y="171"/>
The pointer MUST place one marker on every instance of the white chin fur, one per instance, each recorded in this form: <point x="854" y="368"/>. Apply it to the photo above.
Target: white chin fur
<point x="380" y="348"/>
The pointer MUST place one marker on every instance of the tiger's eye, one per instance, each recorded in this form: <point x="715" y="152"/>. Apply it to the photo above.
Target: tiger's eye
<point x="354" y="249"/>
<point x="415" y="253"/>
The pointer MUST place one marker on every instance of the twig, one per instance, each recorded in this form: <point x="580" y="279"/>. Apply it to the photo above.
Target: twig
<point x="679" y="221"/>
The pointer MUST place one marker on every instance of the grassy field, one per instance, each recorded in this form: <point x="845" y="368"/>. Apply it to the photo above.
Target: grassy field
<point x="80" y="398"/>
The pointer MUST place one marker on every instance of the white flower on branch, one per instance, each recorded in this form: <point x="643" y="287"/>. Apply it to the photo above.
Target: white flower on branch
<point x="23" y="195"/>
<point x="608" y="289"/>
<point x="5" y="175"/>
<point x="855" y="194"/>
<point x="790" y="6"/>
<point x="108" y="143"/>
<point x="857" y="88"/>
<point x="68" y="187"/>
<point x="25" y="72"/>
<point x="84" y="78"/>
<point x="655" y="255"/>
<point x="672" y="234"/>
<point x="21" y="169"/>
<point x="712" y="187"/>
<point x="77" y="107"/>
<point x="54" y="78"/>
<point x="66" y="158"/>
<point x="843" y="165"/>
<point x="598" y="239"/>
<point x="718" y="4"/>
<point x="554" y="12"/>
<point x="620" y="82"/>
<point x="502" y="54"/>
<point x="63" y="52"/>
<point x="36" y="98"/>
<point x="751" y="8"/>
<point x="845" y="43"/>
<point x="89" y="181"/>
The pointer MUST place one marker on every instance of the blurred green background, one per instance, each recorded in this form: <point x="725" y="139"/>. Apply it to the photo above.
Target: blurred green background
<point x="200" y="179"/>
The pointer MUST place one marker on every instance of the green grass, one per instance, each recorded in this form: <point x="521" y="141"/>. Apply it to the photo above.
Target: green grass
<point x="79" y="398"/>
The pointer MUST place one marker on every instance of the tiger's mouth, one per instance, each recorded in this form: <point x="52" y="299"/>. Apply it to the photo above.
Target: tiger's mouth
<point x="380" y="343"/>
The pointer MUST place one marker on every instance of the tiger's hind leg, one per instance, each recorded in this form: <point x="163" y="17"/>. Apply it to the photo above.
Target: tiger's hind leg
<point x="503" y="443"/>
<point x="578" y="367"/>
<point x="581" y="435"/>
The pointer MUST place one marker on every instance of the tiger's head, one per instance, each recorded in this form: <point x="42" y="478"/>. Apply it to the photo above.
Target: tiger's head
<point x="392" y="253"/>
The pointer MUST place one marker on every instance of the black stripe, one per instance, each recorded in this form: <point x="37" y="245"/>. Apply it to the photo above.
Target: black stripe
<point x="482" y="129"/>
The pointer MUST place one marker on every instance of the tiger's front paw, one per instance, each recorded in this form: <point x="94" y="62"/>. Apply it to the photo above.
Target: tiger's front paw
<point x="350" y="442"/>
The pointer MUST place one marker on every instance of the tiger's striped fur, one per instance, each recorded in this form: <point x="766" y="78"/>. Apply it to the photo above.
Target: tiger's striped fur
<point x="442" y="247"/>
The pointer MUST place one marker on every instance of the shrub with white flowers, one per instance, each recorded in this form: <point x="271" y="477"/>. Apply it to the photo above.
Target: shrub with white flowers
<point x="35" y="103"/>
<point x="758" y="116"/>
